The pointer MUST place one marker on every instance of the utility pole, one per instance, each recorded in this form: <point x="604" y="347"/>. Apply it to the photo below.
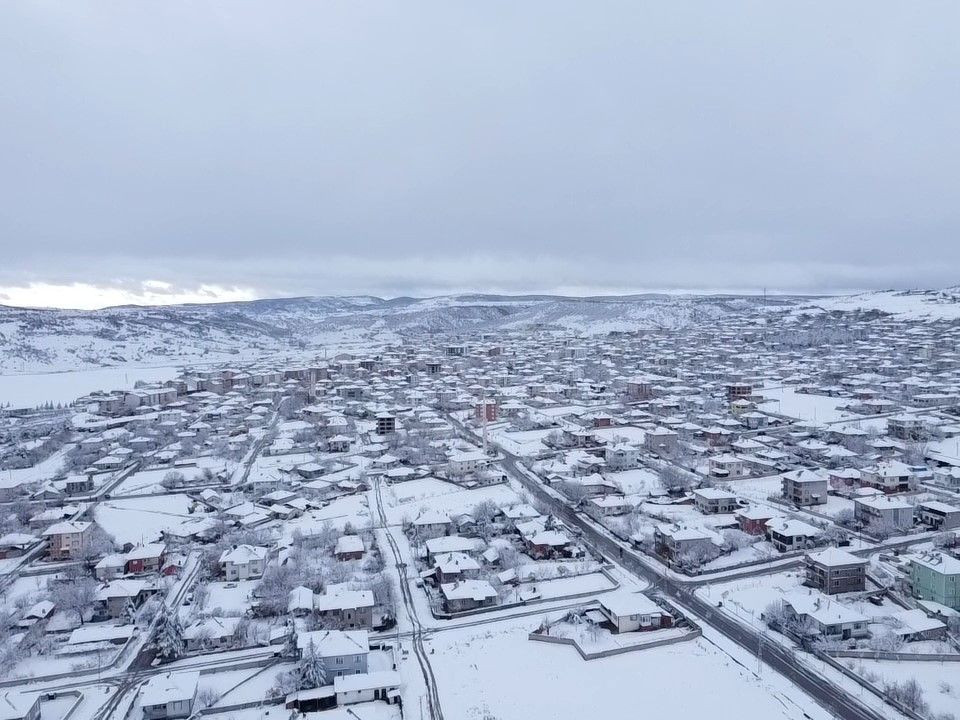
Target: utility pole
<point x="760" y="653"/>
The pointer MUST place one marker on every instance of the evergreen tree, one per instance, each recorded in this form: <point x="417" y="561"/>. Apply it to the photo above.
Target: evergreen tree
<point x="170" y="637"/>
<point x="312" y="670"/>
<point x="129" y="612"/>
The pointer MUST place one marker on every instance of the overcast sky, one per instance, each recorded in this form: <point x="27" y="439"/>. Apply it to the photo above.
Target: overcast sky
<point x="170" y="151"/>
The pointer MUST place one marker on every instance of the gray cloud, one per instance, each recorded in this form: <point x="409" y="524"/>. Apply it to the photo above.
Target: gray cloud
<point x="397" y="149"/>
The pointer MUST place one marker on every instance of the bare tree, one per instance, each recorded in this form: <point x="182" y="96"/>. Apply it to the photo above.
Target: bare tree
<point x="75" y="597"/>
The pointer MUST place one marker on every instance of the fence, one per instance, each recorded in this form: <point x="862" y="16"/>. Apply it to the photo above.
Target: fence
<point x="867" y="685"/>
<point x="882" y="655"/>
<point x="693" y="633"/>
<point x="443" y="615"/>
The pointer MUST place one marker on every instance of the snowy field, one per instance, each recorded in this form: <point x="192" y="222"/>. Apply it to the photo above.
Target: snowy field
<point x="627" y="432"/>
<point x="142" y="520"/>
<point x="418" y="490"/>
<point x="148" y="481"/>
<point x="525" y="443"/>
<point x="940" y="681"/>
<point x="34" y="389"/>
<point x="452" y="503"/>
<point x="817" y="408"/>
<point x="559" y="587"/>
<point x="636" y="482"/>
<point x="526" y="680"/>
<point x="226" y="598"/>
<point x="350" y="509"/>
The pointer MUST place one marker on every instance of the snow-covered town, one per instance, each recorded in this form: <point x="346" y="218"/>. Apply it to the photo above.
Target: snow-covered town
<point x="509" y="524"/>
<point x="479" y="361"/>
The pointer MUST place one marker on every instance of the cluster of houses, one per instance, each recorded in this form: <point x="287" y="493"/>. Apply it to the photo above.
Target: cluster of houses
<point x="465" y="570"/>
<point x="259" y="445"/>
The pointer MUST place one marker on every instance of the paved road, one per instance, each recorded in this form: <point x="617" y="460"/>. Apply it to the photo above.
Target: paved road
<point x="419" y="651"/>
<point x="781" y="659"/>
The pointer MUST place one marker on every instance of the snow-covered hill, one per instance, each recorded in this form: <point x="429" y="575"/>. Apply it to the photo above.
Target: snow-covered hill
<point x="34" y="340"/>
<point x="903" y="304"/>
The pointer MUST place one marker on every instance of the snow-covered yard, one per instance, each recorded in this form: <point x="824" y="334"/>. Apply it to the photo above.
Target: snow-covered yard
<point x="940" y="681"/>
<point x="526" y="680"/>
<point x="453" y="503"/>
<point x="229" y="597"/>
<point x="525" y="443"/>
<point x="639" y="481"/>
<point x="804" y="406"/>
<point x="142" y="520"/>
<point x="558" y="588"/>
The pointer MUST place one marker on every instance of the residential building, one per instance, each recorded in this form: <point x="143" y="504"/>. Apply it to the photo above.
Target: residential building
<point x="466" y="595"/>
<point x="68" y="540"/>
<point x="935" y="576"/>
<point x="386" y="423"/>
<point x="816" y="615"/>
<point x="753" y="520"/>
<point x="344" y="652"/>
<point x="631" y="612"/>
<point x="169" y="696"/>
<point x="788" y="535"/>
<point x="905" y="427"/>
<point x="349" y="609"/>
<point x="881" y="512"/>
<point x="243" y="562"/>
<point x="804" y="488"/>
<point x="461" y="463"/>
<point x="368" y="687"/>
<point x="889" y="476"/>
<point x="674" y="541"/>
<point x="938" y="515"/>
<point x="835" y="571"/>
<point x="711" y="501"/>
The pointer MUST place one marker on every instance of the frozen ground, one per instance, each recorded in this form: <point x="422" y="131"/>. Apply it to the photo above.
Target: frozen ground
<point x="525" y="443"/>
<point x="940" y="681"/>
<point x="142" y="520"/>
<point x="32" y="389"/>
<point x="817" y="408"/>
<point x="526" y="680"/>
<point x="402" y="503"/>
<point x="636" y="482"/>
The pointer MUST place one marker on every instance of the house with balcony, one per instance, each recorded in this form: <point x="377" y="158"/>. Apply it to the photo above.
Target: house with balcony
<point x="804" y="488"/>
<point x="711" y="501"/>
<point x="882" y="511"/>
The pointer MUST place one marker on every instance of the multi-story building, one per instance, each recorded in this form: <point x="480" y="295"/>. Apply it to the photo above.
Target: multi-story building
<point x="243" y="562"/>
<point x="485" y="410"/>
<point x="386" y="423"/>
<point x="889" y="476"/>
<point x="905" y="427"/>
<point x="935" y="576"/>
<point x="344" y="652"/>
<point x="804" y="487"/>
<point x="69" y="539"/>
<point x="836" y="571"/>
<point x="882" y="511"/>
<point x="711" y="501"/>
<point x="673" y="541"/>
